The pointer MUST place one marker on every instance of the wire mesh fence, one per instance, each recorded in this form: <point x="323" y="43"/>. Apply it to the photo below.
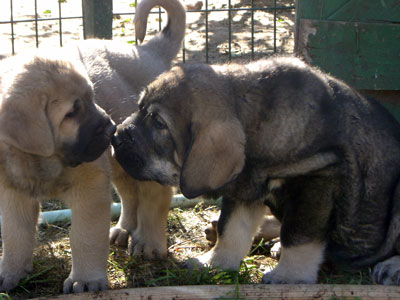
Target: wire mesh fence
<point x="217" y="30"/>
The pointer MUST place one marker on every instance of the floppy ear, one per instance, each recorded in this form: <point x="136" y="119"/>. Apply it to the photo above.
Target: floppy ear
<point x="26" y="129"/>
<point x="215" y="157"/>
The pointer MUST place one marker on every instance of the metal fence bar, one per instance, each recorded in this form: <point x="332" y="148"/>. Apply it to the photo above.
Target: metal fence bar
<point x="183" y="52"/>
<point x="12" y="27"/>
<point x="233" y="9"/>
<point x="135" y="35"/>
<point x="83" y="14"/>
<point x="274" y="26"/>
<point x="124" y="14"/>
<point x="159" y="18"/>
<point x="230" y="30"/>
<point x="206" y="17"/>
<point x="97" y="18"/>
<point x="39" y="20"/>
<point x="60" y="22"/>
<point x="36" y="26"/>
<point x="252" y="29"/>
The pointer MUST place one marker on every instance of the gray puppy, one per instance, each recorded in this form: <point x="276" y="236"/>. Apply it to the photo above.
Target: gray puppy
<point x="282" y="134"/>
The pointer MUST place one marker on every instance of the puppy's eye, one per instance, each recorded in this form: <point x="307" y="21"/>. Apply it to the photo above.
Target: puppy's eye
<point x="75" y="109"/>
<point x="157" y="122"/>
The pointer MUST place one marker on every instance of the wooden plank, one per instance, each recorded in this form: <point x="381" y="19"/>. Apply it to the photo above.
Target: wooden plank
<point x="365" y="55"/>
<point x="248" y="292"/>
<point x="97" y="19"/>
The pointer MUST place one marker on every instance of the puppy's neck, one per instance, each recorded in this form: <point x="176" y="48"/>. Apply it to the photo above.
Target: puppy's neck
<point x="35" y="175"/>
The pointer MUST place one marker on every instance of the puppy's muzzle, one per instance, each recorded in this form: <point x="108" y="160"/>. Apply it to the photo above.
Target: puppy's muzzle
<point x="127" y="151"/>
<point x="93" y="140"/>
<point x="116" y="141"/>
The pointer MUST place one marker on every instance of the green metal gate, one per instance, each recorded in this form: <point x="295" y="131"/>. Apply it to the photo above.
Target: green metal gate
<point x="355" y="40"/>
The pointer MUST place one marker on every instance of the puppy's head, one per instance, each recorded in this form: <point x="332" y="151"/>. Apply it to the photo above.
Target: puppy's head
<point x="183" y="134"/>
<point x="47" y="109"/>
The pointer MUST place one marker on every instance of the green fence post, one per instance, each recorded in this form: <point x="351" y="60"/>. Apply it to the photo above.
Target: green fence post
<point x="97" y="19"/>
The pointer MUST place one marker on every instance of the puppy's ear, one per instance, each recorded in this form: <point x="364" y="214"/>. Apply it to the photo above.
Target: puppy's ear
<point x="25" y="127"/>
<point x="215" y="157"/>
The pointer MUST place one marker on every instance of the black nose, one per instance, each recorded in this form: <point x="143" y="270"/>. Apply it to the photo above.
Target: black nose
<point x="116" y="141"/>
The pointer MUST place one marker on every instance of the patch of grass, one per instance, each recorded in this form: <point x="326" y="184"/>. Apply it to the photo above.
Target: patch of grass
<point x="175" y="274"/>
<point x="53" y="204"/>
<point x="332" y="276"/>
<point x="186" y="239"/>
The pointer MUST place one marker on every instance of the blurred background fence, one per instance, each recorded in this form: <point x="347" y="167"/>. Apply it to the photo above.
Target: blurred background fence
<point x="217" y="30"/>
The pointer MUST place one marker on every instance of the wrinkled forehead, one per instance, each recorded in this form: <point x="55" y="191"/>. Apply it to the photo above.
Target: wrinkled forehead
<point x="165" y="85"/>
<point x="149" y="97"/>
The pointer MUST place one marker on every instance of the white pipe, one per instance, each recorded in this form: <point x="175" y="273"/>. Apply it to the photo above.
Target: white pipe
<point x="64" y="215"/>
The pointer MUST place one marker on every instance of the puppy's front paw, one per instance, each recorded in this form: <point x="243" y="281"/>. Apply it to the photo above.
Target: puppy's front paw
<point x="8" y="283"/>
<point x="271" y="278"/>
<point x="72" y="285"/>
<point x="119" y="236"/>
<point x="276" y="277"/>
<point x="387" y="272"/>
<point x="200" y="262"/>
<point x="214" y="259"/>
<point x="9" y="279"/>
<point x="149" y="246"/>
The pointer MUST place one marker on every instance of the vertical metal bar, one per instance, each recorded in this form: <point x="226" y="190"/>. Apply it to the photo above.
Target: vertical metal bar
<point x="206" y="31"/>
<point x="252" y="29"/>
<point x="230" y="30"/>
<point x="36" y="26"/>
<point x="60" y="22"/>
<point x="135" y="17"/>
<point x="159" y="19"/>
<point x="83" y="21"/>
<point x="98" y="18"/>
<point x="183" y="52"/>
<point x="12" y="28"/>
<point x="274" y="26"/>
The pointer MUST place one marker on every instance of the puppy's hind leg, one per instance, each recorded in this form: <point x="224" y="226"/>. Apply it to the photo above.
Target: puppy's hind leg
<point x="127" y="189"/>
<point x="149" y="237"/>
<point x="236" y="227"/>
<point x="143" y="219"/>
<point x="387" y="272"/>
<point x="297" y="264"/>
<point x="269" y="230"/>
<point x="18" y="228"/>
<point x="308" y="205"/>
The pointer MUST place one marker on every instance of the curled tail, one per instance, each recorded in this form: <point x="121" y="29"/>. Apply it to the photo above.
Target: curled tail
<point x="172" y="34"/>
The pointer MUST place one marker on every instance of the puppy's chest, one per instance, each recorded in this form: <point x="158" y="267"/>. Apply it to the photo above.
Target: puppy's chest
<point x="35" y="179"/>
